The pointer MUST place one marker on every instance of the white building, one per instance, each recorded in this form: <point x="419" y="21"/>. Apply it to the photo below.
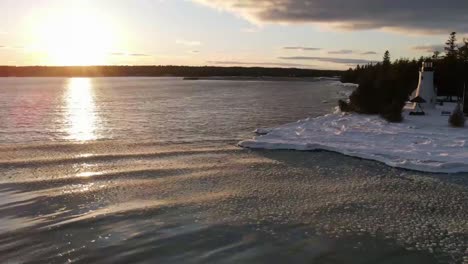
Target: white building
<point x="426" y="88"/>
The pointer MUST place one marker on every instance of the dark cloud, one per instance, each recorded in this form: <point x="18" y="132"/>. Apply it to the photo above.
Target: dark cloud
<point x="241" y="63"/>
<point x="368" y="53"/>
<point x="301" y="48"/>
<point x="329" y="59"/>
<point x="429" y="48"/>
<point x="345" y="51"/>
<point x="422" y="16"/>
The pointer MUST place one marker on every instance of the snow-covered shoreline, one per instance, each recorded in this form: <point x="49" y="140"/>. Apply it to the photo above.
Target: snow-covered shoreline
<point x="424" y="143"/>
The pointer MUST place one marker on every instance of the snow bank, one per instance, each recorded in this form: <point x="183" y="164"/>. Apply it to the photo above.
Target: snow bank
<point x="348" y="88"/>
<point x="423" y="143"/>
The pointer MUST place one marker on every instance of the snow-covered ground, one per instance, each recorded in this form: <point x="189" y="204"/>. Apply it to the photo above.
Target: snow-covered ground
<point x="423" y="143"/>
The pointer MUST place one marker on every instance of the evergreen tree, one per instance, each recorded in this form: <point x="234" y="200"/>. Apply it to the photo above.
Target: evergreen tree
<point x="457" y="118"/>
<point x="386" y="59"/>
<point x="451" y="46"/>
<point x="463" y="51"/>
<point x="449" y="70"/>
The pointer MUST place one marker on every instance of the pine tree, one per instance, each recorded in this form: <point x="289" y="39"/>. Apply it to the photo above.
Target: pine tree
<point x="386" y="65"/>
<point x="451" y="46"/>
<point x="457" y="118"/>
<point x="436" y="55"/>
<point x="463" y="51"/>
<point x="386" y="58"/>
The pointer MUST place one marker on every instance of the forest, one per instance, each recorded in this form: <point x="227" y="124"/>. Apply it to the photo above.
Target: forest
<point x="159" y="71"/>
<point x="384" y="87"/>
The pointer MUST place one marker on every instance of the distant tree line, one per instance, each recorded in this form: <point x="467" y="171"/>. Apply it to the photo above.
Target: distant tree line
<point x="160" y="71"/>
<point x="384" y="87"/>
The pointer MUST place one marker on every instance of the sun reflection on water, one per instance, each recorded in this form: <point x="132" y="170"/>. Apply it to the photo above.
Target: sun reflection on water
<point x="81" y="117"/>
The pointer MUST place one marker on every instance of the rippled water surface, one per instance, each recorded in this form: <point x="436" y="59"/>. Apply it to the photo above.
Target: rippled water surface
<point x="155" y="109"/>
<point x="146" y="170"/>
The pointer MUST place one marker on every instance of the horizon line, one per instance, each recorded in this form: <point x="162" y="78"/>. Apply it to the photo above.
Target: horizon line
<point x="166" y="65"/>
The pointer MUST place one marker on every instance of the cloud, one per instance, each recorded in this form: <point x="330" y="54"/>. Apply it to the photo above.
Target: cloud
<point x="416" y="16"/>
<point x="429" y="48"/>
<point x="16" y="47"/>
<point x="241" y="63"/>
<point x="139" y="55"/>
<point x="188" y="42"/>
<point x="301" y="48"/>
<point x="194" y="51"/>
<point x="129" y="54"/>
<point x="329" y="59"/>
<point x="368" y="53"/>
<point x="345" y="51"/>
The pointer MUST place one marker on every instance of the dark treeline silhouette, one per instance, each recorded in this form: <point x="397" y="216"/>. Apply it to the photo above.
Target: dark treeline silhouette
<point x="159" y="71"/>
<point x="384" y="87"/>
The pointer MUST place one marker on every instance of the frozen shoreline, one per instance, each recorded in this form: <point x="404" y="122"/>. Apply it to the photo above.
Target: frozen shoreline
<point x="422" y="143"/>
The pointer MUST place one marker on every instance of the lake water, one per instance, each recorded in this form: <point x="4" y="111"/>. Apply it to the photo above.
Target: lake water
<point x="147" y="170"/>
<point x="155" y="109"/>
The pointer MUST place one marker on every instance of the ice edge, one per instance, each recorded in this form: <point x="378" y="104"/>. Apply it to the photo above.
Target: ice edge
<point x="286" y="137"/>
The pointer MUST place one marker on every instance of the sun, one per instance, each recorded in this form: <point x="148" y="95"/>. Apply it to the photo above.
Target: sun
<point x="76" y="38"/>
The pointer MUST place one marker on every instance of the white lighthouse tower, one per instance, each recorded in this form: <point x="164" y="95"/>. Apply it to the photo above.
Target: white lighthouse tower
<point x="426" y="88"/>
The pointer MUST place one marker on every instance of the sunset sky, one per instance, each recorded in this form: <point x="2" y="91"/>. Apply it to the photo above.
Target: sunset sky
<point x="327" y="34"/>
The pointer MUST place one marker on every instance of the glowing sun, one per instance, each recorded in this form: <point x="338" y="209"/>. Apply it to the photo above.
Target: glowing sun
<point x="77" y="38"/>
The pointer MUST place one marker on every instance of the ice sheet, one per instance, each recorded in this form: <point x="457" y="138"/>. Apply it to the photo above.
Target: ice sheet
<point x="423" y="143"/>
